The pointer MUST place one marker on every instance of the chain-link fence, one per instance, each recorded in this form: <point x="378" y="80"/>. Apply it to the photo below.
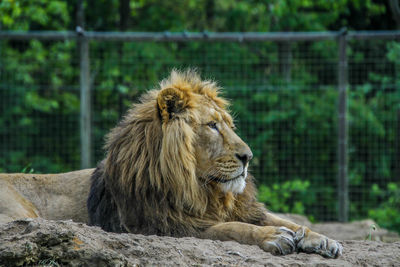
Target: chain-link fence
<point x="305" y="106"/>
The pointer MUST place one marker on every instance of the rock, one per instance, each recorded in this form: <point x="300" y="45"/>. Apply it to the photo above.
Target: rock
<point x="58" y="243"/>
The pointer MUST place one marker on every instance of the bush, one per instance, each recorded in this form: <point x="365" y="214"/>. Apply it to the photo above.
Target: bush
<point x="387" y="214"/>
<point x="288" y="197"/>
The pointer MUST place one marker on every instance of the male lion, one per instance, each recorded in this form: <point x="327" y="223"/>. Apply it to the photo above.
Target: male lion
<point x="174" y="166"/>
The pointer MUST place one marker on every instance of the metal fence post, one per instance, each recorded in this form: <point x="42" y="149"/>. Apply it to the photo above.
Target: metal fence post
<point x="343" y="185"/>
<point x="85" y="93"/>
<point x="85" y="106"/>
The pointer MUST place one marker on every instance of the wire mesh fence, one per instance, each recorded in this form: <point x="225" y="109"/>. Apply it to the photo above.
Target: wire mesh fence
<point x="284" y="95"/>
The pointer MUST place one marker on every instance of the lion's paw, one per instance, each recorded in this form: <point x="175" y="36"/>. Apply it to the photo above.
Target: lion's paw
<point x="317" y="243"/>
<point x="281" y="243"/>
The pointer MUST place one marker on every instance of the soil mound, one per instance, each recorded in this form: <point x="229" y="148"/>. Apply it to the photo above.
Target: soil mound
<point x="59" y="243"/>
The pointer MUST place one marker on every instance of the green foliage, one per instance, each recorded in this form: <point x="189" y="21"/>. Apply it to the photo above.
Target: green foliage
<point x="372" y="228"/>
<point x="33" y="15"/>
<point x="28" y="169"/>
<point x="288" y="197"/>
<point x="387" y="213"/>
<point x="212" y="15"/>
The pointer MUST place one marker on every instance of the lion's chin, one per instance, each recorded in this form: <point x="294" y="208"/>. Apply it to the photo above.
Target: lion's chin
<point x="235" y="186"/>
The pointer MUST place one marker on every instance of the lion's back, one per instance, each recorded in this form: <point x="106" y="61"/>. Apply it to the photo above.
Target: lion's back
<point x="51" y="196"/>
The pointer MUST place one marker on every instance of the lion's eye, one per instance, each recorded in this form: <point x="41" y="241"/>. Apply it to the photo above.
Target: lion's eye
<point x="212" y="125"/>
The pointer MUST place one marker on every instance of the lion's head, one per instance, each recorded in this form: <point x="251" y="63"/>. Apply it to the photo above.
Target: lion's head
<point x="195" y="121"/>
<point x="177" y="145"/>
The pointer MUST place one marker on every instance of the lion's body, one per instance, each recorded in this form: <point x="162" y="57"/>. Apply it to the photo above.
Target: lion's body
<point x="50" y="196"/>
<point x="155" y="216"/>
<point x="175" y="166"/>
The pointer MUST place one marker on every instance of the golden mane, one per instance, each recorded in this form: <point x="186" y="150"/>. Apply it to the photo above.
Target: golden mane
<point x="166" y="162"/>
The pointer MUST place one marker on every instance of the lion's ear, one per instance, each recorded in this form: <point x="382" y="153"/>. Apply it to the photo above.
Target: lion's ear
<point x="171" y="102"/>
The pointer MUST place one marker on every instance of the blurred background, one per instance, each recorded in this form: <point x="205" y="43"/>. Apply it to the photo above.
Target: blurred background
<point x="320" y="110"/>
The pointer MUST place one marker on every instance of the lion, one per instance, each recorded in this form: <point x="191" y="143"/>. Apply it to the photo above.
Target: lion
<point x="50" y="196"/>
<point x="174" y="166"/>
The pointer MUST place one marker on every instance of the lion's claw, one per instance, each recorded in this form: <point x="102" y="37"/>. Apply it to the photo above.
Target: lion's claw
<point x="287" y="230"/>
<point x="299" y="234"/>
<point x="316" y="243"/>
<point x="283" y="244"/>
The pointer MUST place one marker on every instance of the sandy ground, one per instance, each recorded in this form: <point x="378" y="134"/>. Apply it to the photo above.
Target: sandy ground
<point x="52" y="243"/>
<point x="357" y="230"/>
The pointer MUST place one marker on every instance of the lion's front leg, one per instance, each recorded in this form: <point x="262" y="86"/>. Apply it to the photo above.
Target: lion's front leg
<point x="277" y="240"/>
<point x="307" y="240"/>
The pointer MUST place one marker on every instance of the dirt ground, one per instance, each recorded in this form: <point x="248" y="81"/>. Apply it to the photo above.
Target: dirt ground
<point x="65" y="243"/>
<point x="358" y="230"/>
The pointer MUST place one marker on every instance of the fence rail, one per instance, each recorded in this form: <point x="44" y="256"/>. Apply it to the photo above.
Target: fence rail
<point x="342" y="38"/>
<point x="196" y="36"/>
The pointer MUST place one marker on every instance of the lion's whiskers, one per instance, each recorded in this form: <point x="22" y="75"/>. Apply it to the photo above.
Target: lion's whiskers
<point x="211" y="171"/>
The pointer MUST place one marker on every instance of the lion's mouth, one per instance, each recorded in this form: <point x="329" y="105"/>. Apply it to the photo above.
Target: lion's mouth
<point x="223" y="180"/>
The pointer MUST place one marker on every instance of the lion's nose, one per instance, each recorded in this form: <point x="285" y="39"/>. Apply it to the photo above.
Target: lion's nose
<point x="245" y="157"/>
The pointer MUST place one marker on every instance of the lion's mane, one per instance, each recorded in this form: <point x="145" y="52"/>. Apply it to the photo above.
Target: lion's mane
<point x="147" y="182"/>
